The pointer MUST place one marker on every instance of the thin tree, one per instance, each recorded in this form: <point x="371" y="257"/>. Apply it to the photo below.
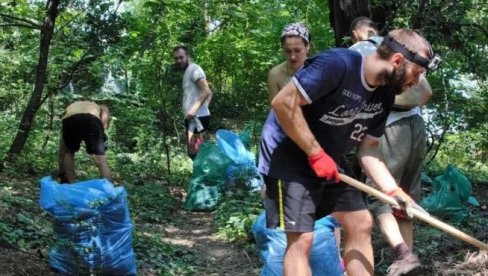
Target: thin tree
<point x="47" y="29"/>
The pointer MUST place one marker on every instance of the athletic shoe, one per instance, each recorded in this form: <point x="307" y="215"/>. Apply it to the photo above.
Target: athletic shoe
<point x="404" y="266"/>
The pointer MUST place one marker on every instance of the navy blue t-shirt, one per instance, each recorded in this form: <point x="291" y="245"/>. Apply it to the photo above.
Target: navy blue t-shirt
<point x="342" y="109"/>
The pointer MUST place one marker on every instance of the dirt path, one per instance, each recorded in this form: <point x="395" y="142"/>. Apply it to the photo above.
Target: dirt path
<point x="196" y="230"/>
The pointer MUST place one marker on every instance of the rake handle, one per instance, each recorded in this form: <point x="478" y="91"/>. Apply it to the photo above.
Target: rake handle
<point x="416" y="213"/>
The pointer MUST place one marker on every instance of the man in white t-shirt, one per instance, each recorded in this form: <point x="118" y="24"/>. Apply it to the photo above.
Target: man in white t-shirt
<point x="196" y="98"/>
<point x="403" y="149"/>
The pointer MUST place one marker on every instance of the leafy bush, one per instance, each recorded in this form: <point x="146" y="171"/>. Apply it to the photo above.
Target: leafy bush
<point x="237" y="213"/>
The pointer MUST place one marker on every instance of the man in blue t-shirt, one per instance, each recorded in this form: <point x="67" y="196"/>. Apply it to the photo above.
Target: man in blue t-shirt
<point x="337" y="101"/>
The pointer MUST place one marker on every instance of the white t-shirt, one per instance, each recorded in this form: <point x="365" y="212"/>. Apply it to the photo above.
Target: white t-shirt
<point x="191" y="91"/>
<point x="366" y="47"/>
<point x="397" y="115"/>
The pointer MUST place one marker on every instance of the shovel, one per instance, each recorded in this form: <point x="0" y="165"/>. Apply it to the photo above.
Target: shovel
<point x="416" y="211"/>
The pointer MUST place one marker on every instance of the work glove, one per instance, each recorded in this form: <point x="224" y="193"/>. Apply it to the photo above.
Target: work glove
<point x="324" y="166"/>
<point x="405" y="203"/>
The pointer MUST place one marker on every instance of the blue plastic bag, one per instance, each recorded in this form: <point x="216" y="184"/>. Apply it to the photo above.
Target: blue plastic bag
<point x="92" y="227"/>
<point x="231" y="144"/>
<point x="324" y="257"/>
<point x="243" y="168"/>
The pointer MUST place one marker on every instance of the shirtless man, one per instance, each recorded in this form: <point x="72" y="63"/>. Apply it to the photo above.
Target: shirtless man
<point x="83" y="121"/>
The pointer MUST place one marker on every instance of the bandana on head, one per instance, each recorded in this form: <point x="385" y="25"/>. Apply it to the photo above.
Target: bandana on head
<point x="296" y="29"/>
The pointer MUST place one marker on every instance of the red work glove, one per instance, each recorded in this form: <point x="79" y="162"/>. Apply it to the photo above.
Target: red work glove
<point x="405" y="202"/>
<point x="324" y="166"/>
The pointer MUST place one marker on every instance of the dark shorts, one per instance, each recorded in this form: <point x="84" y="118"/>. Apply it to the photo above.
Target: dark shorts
<point x="294" y="206"/>
<point x="205" y="120"/>
<point x="87" y="128"/>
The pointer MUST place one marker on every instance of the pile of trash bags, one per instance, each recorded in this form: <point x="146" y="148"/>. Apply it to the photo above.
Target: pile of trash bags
<point x="220" y="166"/>
<point x="91" y="227"/>
<point x="451" y="191"/>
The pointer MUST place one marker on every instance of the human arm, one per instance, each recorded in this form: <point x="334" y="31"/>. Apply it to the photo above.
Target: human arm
<point x="371" y="160"/>
<point x="273" y="87"/>
<point x="205" y="94"/>
<point x="417" y="95"/>
<point x="287" y="106"/>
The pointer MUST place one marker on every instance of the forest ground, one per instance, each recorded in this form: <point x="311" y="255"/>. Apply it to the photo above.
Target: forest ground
<point x="196" y="231"/>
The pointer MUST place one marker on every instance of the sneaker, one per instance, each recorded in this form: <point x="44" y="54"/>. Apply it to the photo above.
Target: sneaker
<point x="404" y="266"/>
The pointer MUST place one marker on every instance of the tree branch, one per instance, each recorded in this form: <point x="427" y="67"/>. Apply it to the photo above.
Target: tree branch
<point x="19" y="25"/>
<point x="72" y="19"/>
<point x="33" y="24"/>
<point x="73" y="70"/>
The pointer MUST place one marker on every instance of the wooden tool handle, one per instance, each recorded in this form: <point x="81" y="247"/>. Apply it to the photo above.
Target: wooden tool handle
<point x="416" y="213"/>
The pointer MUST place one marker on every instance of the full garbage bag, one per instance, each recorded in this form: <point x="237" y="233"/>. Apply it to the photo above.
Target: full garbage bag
<point x="324" y="257"/>
<point x="450" y="191"/>
<point x="91" y="227"/>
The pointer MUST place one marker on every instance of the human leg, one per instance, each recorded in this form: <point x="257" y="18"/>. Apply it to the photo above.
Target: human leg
<point x="102" y="165"/>
<point x="390" y="229"/>
<point x="61" y="153"/>
<point x="403" y="153"/>
<point x="358" y="252"/>
<point x="190" y="144"/>
<point x="292" y="206"/>
<point x="396" y="145"/>
<point x="298" y="247"/>
<point x="193" y="138"/>
<point x="348" y="206"/>
<point x="410" y="181"/>
<point x="406" y="228"/>
<point x="69" y="143"/>
<point x="69" y="167"/>
<point x="200" y="132"/>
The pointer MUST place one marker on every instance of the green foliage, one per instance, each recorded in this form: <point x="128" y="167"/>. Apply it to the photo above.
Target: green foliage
<point x="162" y="258"/>
<point x="151" y="203"/>
<point x="237" y="213"/>
<point x="146" y="149"/>
<point x="465" y="149"/>
<point x="22" y="227"/>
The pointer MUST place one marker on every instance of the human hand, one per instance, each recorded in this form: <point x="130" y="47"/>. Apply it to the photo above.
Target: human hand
<point x="190" y="115"/>
<point x="324" y="166"/>
<point x="116" y="179"/>
<point x="405" y="203"/>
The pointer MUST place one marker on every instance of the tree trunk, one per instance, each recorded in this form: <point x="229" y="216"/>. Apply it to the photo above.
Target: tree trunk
<point x="41" y="75"/>
<point x="342" y="12"/>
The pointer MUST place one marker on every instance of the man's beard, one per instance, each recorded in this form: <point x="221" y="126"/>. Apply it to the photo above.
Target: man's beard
<point x="395" y="79"/>
<point x="181" y="67"/>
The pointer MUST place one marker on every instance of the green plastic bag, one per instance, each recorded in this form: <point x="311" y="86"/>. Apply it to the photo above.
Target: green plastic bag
<point x="207" y="182"/>
<point x="451" y="191"/>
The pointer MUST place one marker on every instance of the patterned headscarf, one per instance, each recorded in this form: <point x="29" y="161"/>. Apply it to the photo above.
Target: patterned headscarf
<point x="296" y="29"/>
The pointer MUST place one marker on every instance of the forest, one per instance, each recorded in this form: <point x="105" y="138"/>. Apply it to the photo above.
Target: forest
<point x="119" y="53"/>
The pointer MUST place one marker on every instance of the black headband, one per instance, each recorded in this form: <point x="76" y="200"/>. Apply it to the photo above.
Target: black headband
<point x="431" y="63"/>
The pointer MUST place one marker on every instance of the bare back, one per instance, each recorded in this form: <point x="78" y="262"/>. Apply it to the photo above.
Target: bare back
<point x="82" y="107"/>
